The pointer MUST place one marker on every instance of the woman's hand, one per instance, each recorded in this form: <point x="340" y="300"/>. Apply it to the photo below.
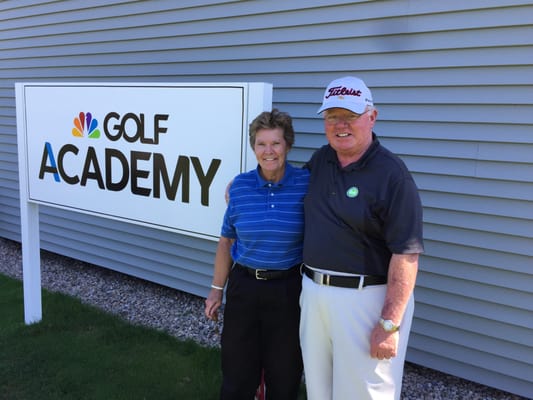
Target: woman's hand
<point x="213" y="303"/>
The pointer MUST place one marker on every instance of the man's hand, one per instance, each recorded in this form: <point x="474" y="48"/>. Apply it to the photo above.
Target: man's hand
<point x="383" y="345"/>
<point x="226" y="193"/>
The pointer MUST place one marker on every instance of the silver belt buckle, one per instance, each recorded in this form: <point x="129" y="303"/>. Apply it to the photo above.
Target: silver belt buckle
<point x="361" y="282"/>
<point x="258" y="277"/>
<point x="320" y="278"/>
<point x="317" y="277"/>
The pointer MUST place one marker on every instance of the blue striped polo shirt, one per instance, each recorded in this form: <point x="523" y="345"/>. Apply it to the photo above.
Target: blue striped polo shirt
<point x="267" y="219"/>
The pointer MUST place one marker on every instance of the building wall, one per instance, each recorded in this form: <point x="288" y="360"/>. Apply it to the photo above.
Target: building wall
<point x="453" y="82"/>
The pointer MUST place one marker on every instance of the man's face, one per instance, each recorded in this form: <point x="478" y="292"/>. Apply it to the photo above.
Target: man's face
<point x="347" y="131"/>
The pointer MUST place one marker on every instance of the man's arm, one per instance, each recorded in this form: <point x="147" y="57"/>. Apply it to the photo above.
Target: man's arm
<point x="401" y="280"/>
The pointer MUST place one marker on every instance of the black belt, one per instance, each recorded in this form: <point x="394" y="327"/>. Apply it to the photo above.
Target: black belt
<point x="267" y="274"/>
<point x="344" y="281"/>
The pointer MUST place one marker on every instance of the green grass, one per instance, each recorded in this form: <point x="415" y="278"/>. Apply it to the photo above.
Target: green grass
<point x="79" y="352"/>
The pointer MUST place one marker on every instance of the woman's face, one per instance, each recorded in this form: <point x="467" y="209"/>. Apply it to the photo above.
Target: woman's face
<point x="271" y="150"/>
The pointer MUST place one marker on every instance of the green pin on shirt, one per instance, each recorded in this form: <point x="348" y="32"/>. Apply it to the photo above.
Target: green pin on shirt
<point x="352" y="192"/>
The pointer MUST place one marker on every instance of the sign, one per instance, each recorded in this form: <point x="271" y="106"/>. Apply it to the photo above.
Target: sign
<point x="159" y="155"/>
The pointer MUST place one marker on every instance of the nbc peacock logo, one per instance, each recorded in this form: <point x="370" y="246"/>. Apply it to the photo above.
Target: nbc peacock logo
<point x="86" y="126"/>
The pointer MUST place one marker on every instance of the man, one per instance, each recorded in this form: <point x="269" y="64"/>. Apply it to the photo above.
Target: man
<point x="363" y="236"/>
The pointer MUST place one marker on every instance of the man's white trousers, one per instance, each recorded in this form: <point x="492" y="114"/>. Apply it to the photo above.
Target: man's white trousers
<point x="335" y="328"/>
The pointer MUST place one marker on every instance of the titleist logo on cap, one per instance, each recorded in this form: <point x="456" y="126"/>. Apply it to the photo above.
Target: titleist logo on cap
<point x="342" y="91"/>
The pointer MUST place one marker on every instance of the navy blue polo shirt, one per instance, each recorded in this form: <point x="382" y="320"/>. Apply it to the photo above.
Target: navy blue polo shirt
<point x="356" y="217"/>
<point x="267" y="219"/>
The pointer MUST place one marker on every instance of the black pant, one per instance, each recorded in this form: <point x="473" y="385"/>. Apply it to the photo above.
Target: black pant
<point x="261" y="322"/>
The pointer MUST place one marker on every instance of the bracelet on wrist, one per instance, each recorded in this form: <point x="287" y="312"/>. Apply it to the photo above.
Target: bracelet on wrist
<point x="217" y="287"/>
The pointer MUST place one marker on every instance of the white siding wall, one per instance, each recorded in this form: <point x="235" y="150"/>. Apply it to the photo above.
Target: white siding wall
<point x="453" y="81"/>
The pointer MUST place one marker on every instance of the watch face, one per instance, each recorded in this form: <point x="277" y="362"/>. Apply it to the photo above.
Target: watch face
<point x="388" y="325"/>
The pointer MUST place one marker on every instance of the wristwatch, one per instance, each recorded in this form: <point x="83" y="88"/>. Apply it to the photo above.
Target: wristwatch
<point x="388" y="325"/>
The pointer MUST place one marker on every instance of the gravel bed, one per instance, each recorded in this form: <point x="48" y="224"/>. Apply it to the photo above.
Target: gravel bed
<point x="181" y="315"/>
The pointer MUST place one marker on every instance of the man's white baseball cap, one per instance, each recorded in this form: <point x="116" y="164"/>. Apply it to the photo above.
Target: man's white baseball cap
<point x="348" y="92"/>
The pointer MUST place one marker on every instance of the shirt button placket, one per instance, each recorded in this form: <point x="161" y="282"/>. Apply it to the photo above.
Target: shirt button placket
<point x="270" y="195"/>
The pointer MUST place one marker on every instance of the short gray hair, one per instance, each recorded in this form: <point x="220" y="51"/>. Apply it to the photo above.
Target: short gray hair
<point x="272" y="120"/>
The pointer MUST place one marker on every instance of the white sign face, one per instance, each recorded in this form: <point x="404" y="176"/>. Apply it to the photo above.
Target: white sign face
<point x="157" y="154"/>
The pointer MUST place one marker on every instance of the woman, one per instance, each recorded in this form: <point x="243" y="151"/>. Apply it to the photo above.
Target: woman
<point x="259" y="253"/>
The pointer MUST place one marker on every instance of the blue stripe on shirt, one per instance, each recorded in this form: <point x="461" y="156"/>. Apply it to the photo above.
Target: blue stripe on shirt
<point x="267" y="219"/>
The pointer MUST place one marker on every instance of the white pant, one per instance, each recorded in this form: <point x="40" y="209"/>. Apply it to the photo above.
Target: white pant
<point x="335" y="329"/>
